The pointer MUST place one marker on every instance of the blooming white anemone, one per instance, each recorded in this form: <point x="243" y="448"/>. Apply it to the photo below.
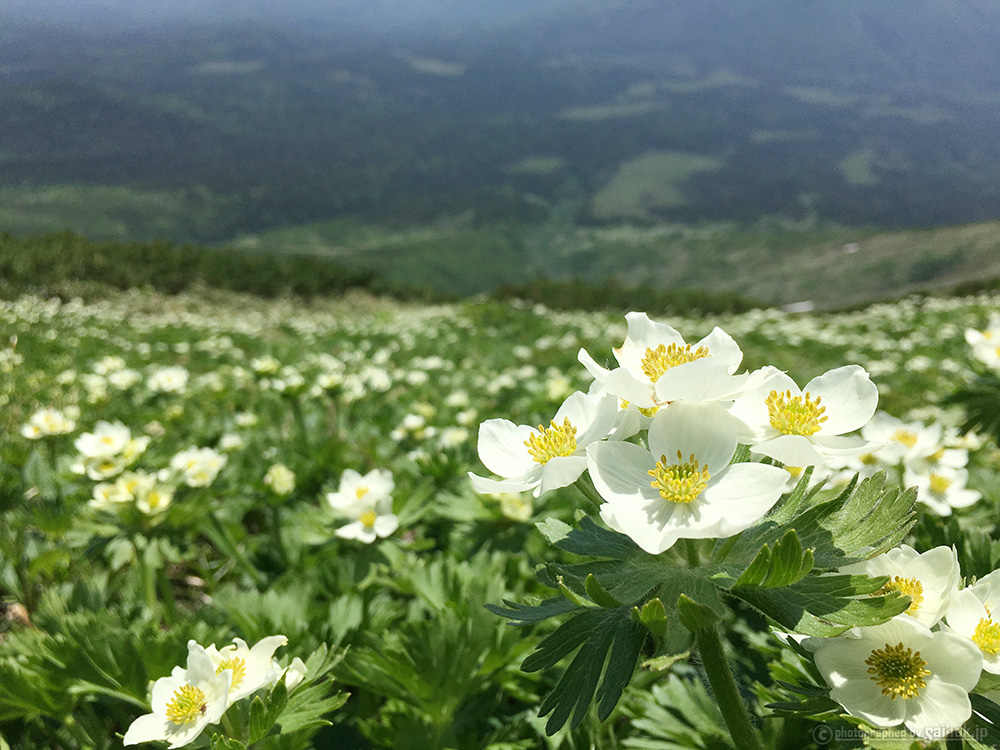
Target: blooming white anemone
<point x="184" y="703"/>
<point x="251" y="667"/>
<point x="367" y="501"/>
<point x="942" y="489"/>
<point x="683" y="486"/>
<point x="656" y="366"/>
<point x="545" y="458"/>
<point x="47" y="421"/>
<point x="901" y="672"/>
<point x="801" y="427"/>
<point x="930" y="578"/>
<point x="198" y="466"/>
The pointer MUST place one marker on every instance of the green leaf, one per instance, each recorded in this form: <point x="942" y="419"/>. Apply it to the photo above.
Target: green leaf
<point x="527" y="613"/>
<point x="606" y="631"/>
<point x="598" y="595"/>
<point x="653" y="615"/>
<point x="259" y="727"/>
<point x="825" y="605"/>
<point x="219" y="742"/>
<point x="695" y="616"/>
<point x="38" y="474"/>
<point x="554" y="530"/>
<point x="571" y="596"/>
<point x="663" y="663"/>
<point x="757" y="570"/>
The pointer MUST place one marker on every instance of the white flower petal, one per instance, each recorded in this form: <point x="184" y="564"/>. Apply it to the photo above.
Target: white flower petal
<point x="723" y="348"/>
<point x="954" y="659"/>
<point x="941" y="708"/>
<point x="743" y="494"/>
<point x="850" y="398"/>
<point x="502" y="449"/>
<point x="147" y="729"/>
<point x="561" y="471"/>
<point x="701" y="380"/>
<point x="704" y="429"/>
<point x="620" y="472"/>
<point x="485" y="486"/>
<point x="791" y="450"/>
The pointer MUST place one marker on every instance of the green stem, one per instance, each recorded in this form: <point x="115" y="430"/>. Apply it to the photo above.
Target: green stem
<point x="167" y="592"/>
<point x="727" y="547"/>
<point x="587" y="489"/>
<point x="148" y="581"/>
<point x="279" y="543"/>
<point x="727" y="694"/>
<point x="691" y="553"/>
<point x="300" y="421"/>
<point x="227" y="545"/>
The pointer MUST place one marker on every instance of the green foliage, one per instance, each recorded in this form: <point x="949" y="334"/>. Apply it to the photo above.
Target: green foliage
<point x="59" y="263"/>
<point x="981" y="402"/>
<point x="767" y="567"/>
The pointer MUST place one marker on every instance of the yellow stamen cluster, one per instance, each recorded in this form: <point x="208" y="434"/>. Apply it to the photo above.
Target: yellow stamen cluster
<point x="987" y="636"/>
<point x="645" y="411"/>
<point x="238" y="666"/>
<point x="187" y="705"/>
<point x="361" y="491"/>
<point x="657" y="361"/>
<point x="899" y="672"/>
<point x="368" y="519"/>
<point x="681" y="482"/>
<point x="906" y="437"/>
<point x="939" y="484"/>
<point x="795" y="415"/>
<point x="556" y="440"/>
<point x="911" y="587"/>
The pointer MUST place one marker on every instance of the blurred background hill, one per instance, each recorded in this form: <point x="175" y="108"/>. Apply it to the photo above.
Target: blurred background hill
<point x="736" y="147"/>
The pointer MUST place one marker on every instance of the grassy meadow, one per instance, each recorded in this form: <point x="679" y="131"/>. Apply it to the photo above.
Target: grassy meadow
<point x="102" y="592"/>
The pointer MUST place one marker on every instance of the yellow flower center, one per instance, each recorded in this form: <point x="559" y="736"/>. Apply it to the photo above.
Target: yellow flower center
<point x="368" y="519"/>
<point x="868" y="459"/>
<point x="646" y="412"/>
<point x="681" y="482"/>
<point x="795" y="415"/>
<point x="899" y="672"/>
<point x="187" y="705"/>
<point x="238" y="666"/>
<point x="939" y="484"/>
<point x="987" y="636"/>
<point x="936" y="456"/>
<point x="556" y="440"/>
<point x="906" y="437"/>
<point x="911" y="587"/>
<point x="657" y="361"/>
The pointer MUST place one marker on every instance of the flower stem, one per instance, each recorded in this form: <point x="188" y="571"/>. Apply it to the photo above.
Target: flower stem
<point x="727" y="694"/>
<point x="588" y="490"/>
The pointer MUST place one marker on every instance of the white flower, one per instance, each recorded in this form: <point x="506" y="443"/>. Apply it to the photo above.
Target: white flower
<point x="198" y="466"/>
<point x="683" y="487"/>
<point x="902" y="673"/>
<point x="280" y="479"/>
<point x="251" y="667"/>
<point x="47" y="421"/>
<point x="942" y="489"/>
<point x="904" y="442"/>
<point x="801" y="427"/>
<point x="971" y="614"/>
<point x="106" y="440"/>
<point x="545" y="458"/>
<point x="930" y="579"/>
<point x="184" y="703"/>
<point x="374" y="485"/>
<point x="367" y="501"/>
<point x="168" y="380"/>
<point x="373" y="519"/>
<point x="656" y="366"/>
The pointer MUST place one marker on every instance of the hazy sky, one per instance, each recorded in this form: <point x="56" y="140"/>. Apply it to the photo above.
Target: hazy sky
<point x="372" y="14"/>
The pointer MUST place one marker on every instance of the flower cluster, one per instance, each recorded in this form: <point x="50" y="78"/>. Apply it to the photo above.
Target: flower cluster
<point x="986" y="343"/>
<point x="367" y="502"/>
<point x="919" y="668"/>
<point x="678" y="480"/>
<point x="197" y="695"/>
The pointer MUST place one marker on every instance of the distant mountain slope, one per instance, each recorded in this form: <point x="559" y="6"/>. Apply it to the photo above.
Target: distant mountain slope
<point x="923" y="44"/>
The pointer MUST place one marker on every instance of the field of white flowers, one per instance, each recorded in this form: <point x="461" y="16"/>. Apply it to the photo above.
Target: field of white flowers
<point x="232" y="523"/>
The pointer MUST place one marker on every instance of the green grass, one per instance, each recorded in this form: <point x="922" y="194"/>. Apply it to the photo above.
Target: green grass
<point x="651" y="182"/>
